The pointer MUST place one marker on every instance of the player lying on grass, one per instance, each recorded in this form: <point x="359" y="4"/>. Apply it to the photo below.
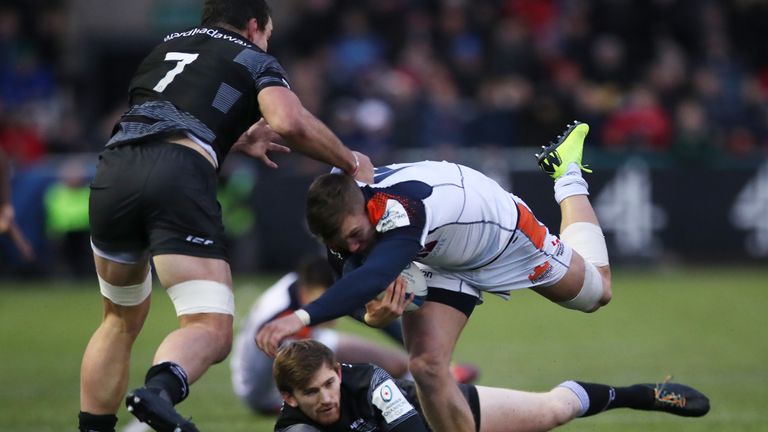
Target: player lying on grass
<point x="252" y="369"/>
<point x="321" y="394"/>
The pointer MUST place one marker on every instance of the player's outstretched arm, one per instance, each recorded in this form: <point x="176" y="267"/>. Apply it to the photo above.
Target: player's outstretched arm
<point x="306" y="134"/>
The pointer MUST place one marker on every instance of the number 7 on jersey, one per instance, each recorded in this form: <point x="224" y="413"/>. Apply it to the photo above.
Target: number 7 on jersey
<point x="181" y="59"/>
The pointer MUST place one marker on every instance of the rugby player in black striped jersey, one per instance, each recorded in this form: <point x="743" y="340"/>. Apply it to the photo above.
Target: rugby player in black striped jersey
<point x="198" y="95"/>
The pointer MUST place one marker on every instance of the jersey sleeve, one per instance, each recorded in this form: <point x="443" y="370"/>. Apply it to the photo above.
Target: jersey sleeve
<point x="265" y="70"/>
<point x="387" y="259"/>
<point x="396" y="412"/>
<point x="399" y="209"/>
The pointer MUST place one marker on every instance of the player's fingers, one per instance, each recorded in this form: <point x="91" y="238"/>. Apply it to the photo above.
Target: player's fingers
<point x="263" y="338"/>
<point x="273" y="146"/>
<point x="267" y="161"/>
<point x="400" y="287"/>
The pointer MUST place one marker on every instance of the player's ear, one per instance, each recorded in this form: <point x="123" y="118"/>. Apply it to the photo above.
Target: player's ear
<point x="289" y="399"/>
<point x="337" y="368"/>
<point x="252" y="28"/>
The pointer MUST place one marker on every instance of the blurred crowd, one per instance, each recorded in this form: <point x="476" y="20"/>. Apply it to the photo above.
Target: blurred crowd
<point x="683" y="83"/>
<point x="683" y="78"/>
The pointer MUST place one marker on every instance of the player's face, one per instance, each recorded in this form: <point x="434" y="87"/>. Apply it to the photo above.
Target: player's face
<point x="320" y="400"/>
<point x="356" y="234"/>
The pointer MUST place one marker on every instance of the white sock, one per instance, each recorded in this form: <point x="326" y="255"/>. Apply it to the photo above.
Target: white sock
<point x="571" y="183"/>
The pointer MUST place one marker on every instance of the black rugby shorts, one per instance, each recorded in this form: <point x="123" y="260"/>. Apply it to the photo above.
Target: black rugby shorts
<point x="156" y="196"/>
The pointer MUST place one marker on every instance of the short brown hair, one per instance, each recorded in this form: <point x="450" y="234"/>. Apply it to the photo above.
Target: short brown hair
<point x="297" y="361"/>
<point x="330" y="198"/>
<point x="236" y="13"/>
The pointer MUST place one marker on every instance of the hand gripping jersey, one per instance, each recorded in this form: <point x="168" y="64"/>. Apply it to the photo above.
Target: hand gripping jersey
<point x="202" y="83"/>
<point x="372" y="401"/>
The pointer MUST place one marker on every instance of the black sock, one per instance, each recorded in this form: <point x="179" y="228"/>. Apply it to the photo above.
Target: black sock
<point x="169" y="381"/>
<point x="96" y="423"/>
<point x="604" y="397"/>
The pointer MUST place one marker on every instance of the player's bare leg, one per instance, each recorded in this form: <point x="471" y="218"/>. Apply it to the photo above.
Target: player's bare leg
<point x="503" y="410"/>
<point x="579" y="227"/>
<point x="202" y="339"/>
<point x="430" y="337"/>
<point x="201" y="291"/>
<point x="534" y="412"/>
<point x="104" y="368"/>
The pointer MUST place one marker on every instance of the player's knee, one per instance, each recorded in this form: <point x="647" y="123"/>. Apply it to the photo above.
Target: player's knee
<point x="594" y="293"/>
<point x="429" y="370"/>
<point x="221" y="334"/>
<point x="607" y="292"/>
<point x="559" y="413"/>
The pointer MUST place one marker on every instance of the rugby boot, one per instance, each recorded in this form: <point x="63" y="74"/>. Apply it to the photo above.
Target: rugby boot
<point x="565" y="150"/>
<point x="158" y="413"/>
<point x="678" y="399"/>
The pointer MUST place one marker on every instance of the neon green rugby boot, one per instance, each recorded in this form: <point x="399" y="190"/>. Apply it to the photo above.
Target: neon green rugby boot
<point x="566" y="149"/>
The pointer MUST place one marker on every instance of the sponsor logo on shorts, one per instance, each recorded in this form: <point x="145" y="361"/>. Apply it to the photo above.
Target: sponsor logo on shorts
<point x="540" y="272"/>
<point x="559" y="248"/>
<point x="199" y="240"/>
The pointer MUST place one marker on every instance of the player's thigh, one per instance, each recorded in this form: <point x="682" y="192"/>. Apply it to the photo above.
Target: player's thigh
<point x="431" y="332"/>
<point x="173" y="269"/>
<point x="125" y="290"/>
<point x="121" y="273"/>
<point x="569" y="285"/>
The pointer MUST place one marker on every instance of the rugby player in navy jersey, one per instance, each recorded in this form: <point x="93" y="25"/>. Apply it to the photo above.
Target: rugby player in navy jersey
<point x="322" y="395"/>
<point x="470" y="236"/>
<point x="198" y="95"/>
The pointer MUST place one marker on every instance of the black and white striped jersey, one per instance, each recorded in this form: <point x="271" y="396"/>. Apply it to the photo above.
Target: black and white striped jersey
<point x="202" y="83"/>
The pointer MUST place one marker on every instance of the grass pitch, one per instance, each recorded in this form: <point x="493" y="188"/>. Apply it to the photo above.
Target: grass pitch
<point x="706" y="326"/>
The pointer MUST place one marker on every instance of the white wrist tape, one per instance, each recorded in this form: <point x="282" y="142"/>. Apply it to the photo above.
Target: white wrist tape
<point x="202" y="296"/>
<point x="303" y="316"/>
<point x="129" y="295"/>
<point x="587" y="239"/>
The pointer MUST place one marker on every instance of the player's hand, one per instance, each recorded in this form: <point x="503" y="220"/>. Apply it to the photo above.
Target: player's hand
<point x="258" y="140"/>
<point x="272" y="333"/>
<point x="379" y="313"/>
<point x="365" y="169"/>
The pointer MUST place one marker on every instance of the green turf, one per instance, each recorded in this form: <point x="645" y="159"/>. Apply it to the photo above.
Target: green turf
<point x="706" y="326"/>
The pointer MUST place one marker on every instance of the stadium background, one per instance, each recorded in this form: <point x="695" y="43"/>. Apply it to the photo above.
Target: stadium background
<point x="676" y="93"/>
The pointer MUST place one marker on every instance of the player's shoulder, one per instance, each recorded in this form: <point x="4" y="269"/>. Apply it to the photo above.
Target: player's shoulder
<point x="357" y="376"/>
<point x="292" y="419"/>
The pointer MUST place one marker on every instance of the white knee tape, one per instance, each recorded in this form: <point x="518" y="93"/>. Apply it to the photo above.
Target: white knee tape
<point x="587" y="239"/>
<point x="589" y="297"/>
<point x="202" y="296"/>
<point x="129" y="295"/>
